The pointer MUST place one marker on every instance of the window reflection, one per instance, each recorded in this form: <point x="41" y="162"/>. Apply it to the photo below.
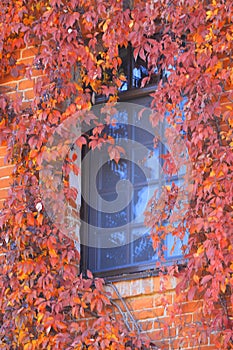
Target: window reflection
<point x="139" y="72"/>
<point x="142" y="248"/>
<point x="134" y="71"/>
<point x="142" y="167"/>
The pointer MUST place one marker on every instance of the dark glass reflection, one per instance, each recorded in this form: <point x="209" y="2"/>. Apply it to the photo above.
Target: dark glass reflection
<point x="134" y="71"/>
<point x="142" y="250"/>
<point x="142" y="167"/>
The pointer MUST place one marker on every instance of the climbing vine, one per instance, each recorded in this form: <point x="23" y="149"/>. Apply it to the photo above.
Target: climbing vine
<point x="44" y="302"/>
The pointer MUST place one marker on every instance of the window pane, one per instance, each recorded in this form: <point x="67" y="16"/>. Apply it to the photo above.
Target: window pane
<point x="134" y="179"/>
<point x="110" y="174"/>
<point x="134" y="71"/>
<point x="142" y="249"/>
<point x="107" y="258"/>
<point x="174" y="246"/>
<point x="148" y="163"/>
<point x="142" y="195"/>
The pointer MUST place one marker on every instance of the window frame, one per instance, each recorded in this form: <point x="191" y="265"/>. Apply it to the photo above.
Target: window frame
<point x="140" y="269"/>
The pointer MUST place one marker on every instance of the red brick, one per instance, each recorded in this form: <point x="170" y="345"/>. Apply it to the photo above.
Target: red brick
<point x="29" y="52"/>
<point x="147" y="286"/>
<point x="180" y="343"/>
<point x="29" y="95"/>
<point x="198" y="317"/>
<point x="3" y="193"/>
<point x="162" y="333"/>
<point x="2" y="161"/>
<point x="179" y="298"/>
<point x="136" y="287"/>
<point x="6" y="170"/>
<point x="27" y="61"/>
<point x="8" y="78"/>
<point x="5" y="182"/>
<point x="170" y="283"/>
<point x="9" y="87"/>
<point x="146" y="325"/>
<point x="17" y="53"/>
<point x="156" y="284"/>
<point x="156" y="335"/>
<point x="145" y="314"/>
<point x="184" y="319"/>
<point x="37" y="72"/>
<point x="191" y="306"/>
<point x="2" y="151"/>
<point x="14" y="95"/>
<point x="1" y="203"/>
<point x="213" y="338"/>
<point x="121" y="305"/>
<point x="159" y="322"/>
<point x="124" y="288"/>
<point x="165" y="299"/>
<point x="26" y="104"/>
<point x="26" y="84"/>
<point x="141" y="303"/>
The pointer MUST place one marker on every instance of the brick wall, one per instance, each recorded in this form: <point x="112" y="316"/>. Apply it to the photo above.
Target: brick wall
<point x="14" y="87"/>
<point x="21" y="85"/>
<point x="140" y="299"/>
<point x="154" y="313"/>
<point x="5" y="172"/>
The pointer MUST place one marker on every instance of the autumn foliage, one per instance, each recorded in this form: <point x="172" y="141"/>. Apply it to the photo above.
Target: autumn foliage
<point x="44" y="302"/>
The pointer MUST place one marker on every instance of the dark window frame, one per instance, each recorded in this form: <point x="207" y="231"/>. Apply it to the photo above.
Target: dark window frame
<point x="141" y="269"/>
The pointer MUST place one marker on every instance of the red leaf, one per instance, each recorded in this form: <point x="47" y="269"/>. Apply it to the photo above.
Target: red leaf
<point x="89" y="274"/>
<point x="206" y="279"/>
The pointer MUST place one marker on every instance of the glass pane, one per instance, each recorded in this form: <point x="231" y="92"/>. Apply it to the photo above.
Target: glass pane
<point x="107" y="258"/>
<point x="113" y="258"/>
<point x="147" y="165"/>
<point x="174" y="246"/>
<point x="142" y="248"/>
<point x="125" y="68"/>
<point x="139" y="72"/>
<point x="122" y="227"/>
<point x="113" y="218"/>
<point x="134" y="71"/>
<point x="142" y="195"/>
<point x="142" y="136"/>
<point x="110" y="174"/>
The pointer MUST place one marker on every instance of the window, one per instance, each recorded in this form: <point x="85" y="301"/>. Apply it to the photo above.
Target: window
<point x="135" y="71"/>
<point x="116" y="239"/>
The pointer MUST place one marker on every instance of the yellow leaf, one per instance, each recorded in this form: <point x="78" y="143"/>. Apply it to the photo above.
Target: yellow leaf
<point x="208" y="14"/>
<point x="220" y="173"/>
<point x="200" y="250"/>
<point x="22" y="336"/>
<point x="76" y="300"/>
<point x="40" y="316"/>
<point x="230" y="121"/>
<point x="52" y="253"/>
<point x="223" y="287"/>
<point x="196" y="278"/>
<point x="105" y="26"/>
<point x="26" y="289"/>
<point x="131" y="24"/>
<point x="212" y="174"/>
<point x="28" y="346"/>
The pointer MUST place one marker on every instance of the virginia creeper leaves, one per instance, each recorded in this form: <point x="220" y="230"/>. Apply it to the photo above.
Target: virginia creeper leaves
<point x="44" y="300"/>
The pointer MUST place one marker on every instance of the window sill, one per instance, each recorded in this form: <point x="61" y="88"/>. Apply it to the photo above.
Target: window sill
<point x="129" y="94"/>
<point x="138" y="273"/>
